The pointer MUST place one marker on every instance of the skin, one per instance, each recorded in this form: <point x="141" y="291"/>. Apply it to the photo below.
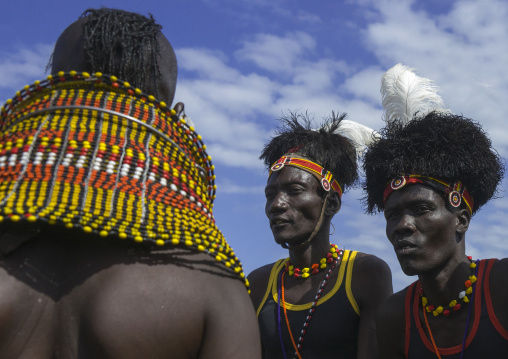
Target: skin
<point x="67" y="294"/>
<point x="429" y="240"/>
<point x="293" y="204"/>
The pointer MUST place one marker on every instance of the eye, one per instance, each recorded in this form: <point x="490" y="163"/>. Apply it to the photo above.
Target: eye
<point x="422" y="209"/>
<point x="294" y="190"/>
<point x="269" y="194"/>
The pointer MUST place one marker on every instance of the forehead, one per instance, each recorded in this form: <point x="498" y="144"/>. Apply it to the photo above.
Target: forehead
<point x="289" y="175"/>
<point x="412" y="193"/>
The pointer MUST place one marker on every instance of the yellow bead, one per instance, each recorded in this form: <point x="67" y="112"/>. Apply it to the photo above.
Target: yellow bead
<point x="15" y="218"/>
<point x="103" y="233"/>
<point x="469" y="290"/>
<point x="472" y="278"/>
<point x="159" y="242"/>
<point x="126" y="84"/>
<point x="175" y="241"/>
<point x="435" y="313"/>
<point x="453" y="303"/>
<point x="424" y="301"/>
<point x="69" y="225"/>
<point x="114" y="78"/>
<point x="31" y="218"/>
<point x="122" y="235"/>
<point x="162" y="104"/>
<point x="72" y="73"/>
<point x="138" y="239"/>
<point x="305" y="275"/>
<point x="85" y="75"/>
<point x="61" y="73"/>
<point x="151" y="98"/>
<point x="87" y="229"/>
<point x="98" y="74"/>
<point x="305" y="270"/>
<point x="439" y="309"/>
<point x="466" y="299"/>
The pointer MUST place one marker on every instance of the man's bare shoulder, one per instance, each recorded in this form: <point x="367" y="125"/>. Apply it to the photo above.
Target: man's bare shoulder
<point x="258" y="280"/>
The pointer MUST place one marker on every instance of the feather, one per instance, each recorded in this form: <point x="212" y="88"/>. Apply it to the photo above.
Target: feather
<point x="361" y="135"/>
<point x="405" y="95"/>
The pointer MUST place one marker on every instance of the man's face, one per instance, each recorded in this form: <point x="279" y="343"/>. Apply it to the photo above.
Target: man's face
<point x="421" y="229"/>
<point x="293" y="205"/>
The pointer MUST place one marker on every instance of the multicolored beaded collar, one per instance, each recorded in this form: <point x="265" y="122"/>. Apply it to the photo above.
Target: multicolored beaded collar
<point x="324" y="176"/>
<point x="456" y="191"/>
<point x="92" y="152"/>
<point x="315" y="268"/>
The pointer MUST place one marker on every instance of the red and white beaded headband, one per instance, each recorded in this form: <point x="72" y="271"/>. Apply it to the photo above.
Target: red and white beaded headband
<point x="456" y="191"/>
<point x="324" y="176"/>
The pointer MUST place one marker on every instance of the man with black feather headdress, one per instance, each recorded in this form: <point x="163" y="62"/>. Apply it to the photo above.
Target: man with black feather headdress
<point x="430" y="172"/>
<point x="321" y="301"/>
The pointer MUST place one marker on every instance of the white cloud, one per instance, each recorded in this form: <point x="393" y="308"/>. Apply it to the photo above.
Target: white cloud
<point x="274" y="53"/>
<point x="22" y="67"/>
<point x="464" y="51"/>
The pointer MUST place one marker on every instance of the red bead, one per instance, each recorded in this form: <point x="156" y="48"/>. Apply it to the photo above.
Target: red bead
<point x="468" y="283"/>
<point x="315" y="271"/>
<point x="446" y="312"/>
<point x="457" y="307"/>
<point x="430" y="307"/>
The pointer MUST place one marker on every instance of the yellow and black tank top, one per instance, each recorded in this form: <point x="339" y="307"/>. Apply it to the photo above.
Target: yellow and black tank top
<point x="333" y="330"/>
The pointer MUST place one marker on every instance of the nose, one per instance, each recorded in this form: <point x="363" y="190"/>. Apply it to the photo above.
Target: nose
<point x="404" y="227"/>
<point x="277" y="204"/>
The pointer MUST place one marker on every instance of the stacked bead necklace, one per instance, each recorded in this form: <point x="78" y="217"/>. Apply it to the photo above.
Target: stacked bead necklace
<point x="315" y="268"/>
<point x="92" y="152"/>
<point x="335" y="257"/>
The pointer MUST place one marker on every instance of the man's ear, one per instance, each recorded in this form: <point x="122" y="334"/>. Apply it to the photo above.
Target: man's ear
<point x="463" y="219"/>
<point x="333" y="205"/>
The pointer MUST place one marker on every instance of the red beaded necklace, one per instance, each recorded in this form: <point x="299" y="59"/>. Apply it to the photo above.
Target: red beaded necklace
<point x="315" y="268"/>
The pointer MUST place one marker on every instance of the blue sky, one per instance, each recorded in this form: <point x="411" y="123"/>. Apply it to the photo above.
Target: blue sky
<point x="242" y="63"/>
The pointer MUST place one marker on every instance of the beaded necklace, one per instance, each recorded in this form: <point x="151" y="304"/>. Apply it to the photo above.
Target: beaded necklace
<point x="454" y="305"/>
<point x="313" y="269"/>
<point x="467" y="320"/>
<point x="319" y="293"/>
<point x="90" y="151"/>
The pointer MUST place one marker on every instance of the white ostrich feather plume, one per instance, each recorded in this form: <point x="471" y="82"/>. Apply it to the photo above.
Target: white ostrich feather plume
<point x="361" y="135"/>
<point x="405" y="95"/>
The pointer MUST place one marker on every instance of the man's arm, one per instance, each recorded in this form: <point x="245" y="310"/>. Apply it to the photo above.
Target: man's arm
<point x="390" y="327"/>
<point x="371" y="286"/>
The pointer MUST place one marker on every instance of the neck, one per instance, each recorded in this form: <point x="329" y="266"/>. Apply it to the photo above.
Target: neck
<point x="310" y="254"/>
<point x="443" y="285"/>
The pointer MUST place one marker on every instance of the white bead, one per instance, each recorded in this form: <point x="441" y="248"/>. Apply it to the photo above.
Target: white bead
<point x="110" y="171"/>
<point x="78" y="165"/>
<point x="35" y="163"/>
<point x="192" y="198"/>
<point x="69" y="155"/>
<point x="164" y="181"/>
<point x="462" y="294"/>
<point x="173" y="187"/>
<point x="183" y="193"/>
<point x="199" y="204"/>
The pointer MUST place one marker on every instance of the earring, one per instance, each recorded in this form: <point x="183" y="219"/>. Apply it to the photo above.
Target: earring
<point x="333" y="228"/>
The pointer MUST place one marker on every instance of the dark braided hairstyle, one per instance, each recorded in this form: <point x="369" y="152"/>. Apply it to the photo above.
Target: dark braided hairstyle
<point x="439" y="145"/>
<point x="122" y="43"/>
<point x="332" y="151"/>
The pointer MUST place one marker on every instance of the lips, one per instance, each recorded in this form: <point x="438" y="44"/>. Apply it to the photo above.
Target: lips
<point x="404" y="247"/>
<point x="278" y="222"/>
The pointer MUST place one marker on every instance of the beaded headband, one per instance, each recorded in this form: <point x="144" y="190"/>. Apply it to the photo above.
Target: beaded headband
<point x="92" y="152"/>
<point x="324" y="176"/>
<point x="456" y="191"/>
